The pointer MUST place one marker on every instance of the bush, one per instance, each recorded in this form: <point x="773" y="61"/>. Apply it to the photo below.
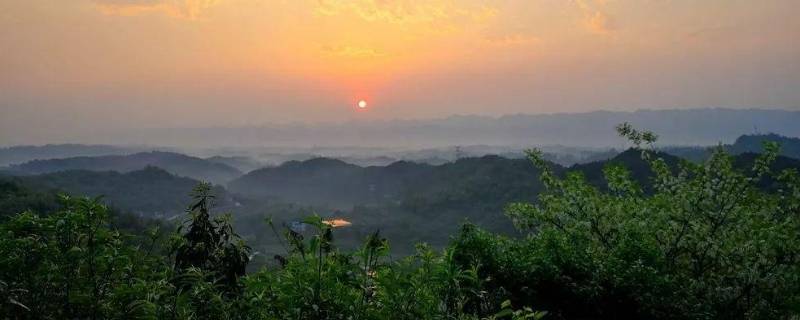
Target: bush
<point x="707" y="243"/>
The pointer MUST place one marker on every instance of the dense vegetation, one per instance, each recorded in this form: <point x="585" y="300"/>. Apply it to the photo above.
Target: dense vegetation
<point x="715" y="240"/>
<point x="706" y="243"/>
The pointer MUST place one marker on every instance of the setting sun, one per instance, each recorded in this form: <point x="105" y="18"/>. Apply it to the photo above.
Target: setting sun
<point x="362" y="104"/>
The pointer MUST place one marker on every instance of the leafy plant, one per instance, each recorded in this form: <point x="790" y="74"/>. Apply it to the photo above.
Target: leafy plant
<point x="706" y="242"/>
<point x="211" y="244"/>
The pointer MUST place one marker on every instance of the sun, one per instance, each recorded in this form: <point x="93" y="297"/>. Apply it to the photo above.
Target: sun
<point x="362" y="104"/>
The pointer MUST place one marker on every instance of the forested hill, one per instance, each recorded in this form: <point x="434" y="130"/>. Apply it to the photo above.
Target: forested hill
<point x="175" y="163"/>
<point x="334" y="182"/>
<point x="474" y="188"/>
<point x="324" y="180"/>
<point x="466" y="182"/>
<point x="630" y="159"/>
<point x="409" y="202"/>
<point x="789" y="147"/>
<point x="149" y="192"/>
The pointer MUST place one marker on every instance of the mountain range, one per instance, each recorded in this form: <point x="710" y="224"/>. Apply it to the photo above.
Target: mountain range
<point x="409" y="202"/>
<point x="592" y="129"/>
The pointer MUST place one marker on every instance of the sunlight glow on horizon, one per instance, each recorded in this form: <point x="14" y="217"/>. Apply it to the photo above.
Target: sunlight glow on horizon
<point x="133" y="63"/>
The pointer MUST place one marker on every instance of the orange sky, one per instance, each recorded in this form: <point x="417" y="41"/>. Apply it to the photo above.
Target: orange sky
<point x="73" y="66"/>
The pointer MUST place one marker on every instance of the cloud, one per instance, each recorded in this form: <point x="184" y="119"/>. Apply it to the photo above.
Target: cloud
<point x="186" y="9"/>
<point x="512" y="40"/>
<point x="714" y="32"/>
<point x="595" y="20"/>
<point x="407" y="11"/>
<point x="352" y="51"/>
<point x="598" y="23"/>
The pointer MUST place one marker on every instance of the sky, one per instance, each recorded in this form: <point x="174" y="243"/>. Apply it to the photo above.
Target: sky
<point x="71" y="69"/>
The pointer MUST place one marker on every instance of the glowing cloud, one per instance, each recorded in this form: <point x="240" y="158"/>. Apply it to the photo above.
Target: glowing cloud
<point x="432" y="13"/>
<point x="512" y="40"/>
<point x="352" y="51"/>
<point x="187" y="9"/>
<point x="594" y="19"/>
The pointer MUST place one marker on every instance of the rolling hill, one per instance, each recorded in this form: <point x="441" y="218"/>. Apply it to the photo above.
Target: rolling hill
<point x="324" y="181"/>
<point x="175" y="163"/>
<point x="21" y="154"/>
<point x="409" y="202"/>
<point x="790" y="147"/>
<point x="150" y="192"/>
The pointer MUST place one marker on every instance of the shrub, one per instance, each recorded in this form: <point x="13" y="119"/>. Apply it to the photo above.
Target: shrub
<point x="707" y="243"/>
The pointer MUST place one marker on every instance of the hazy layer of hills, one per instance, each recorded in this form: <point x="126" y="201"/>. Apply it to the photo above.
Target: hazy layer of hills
<point x="790" y="147"/>
<point x="246" y="159"/>
<point x="176" y="163"/>
<point x="409" y="201"/>
<point x="20" y="154"/>
<point x="243" y="164"/>
<point x="677" y="127"/>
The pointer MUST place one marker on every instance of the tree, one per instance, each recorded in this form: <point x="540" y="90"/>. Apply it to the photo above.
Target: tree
<point x="210" y="244"/>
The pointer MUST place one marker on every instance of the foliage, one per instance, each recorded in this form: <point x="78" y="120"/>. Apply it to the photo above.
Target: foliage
<point x="706" y="243"/>
<point x="68" y="263"/>
<point x="73" y="264"/>
<point x="316" y="281"/>
<point x="211" y="245"/>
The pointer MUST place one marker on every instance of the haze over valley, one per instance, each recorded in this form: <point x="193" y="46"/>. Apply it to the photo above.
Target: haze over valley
<point x="589" y="130"/>
<point x="397" y="190"/>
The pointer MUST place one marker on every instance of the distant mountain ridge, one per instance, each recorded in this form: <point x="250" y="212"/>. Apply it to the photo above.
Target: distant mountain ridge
<point x="175" y="163"/>
<point x="21" y="154"/>
<point x="592" y="129"/>
<point x="753" y="143"/>
<point x="243" y="164"/>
